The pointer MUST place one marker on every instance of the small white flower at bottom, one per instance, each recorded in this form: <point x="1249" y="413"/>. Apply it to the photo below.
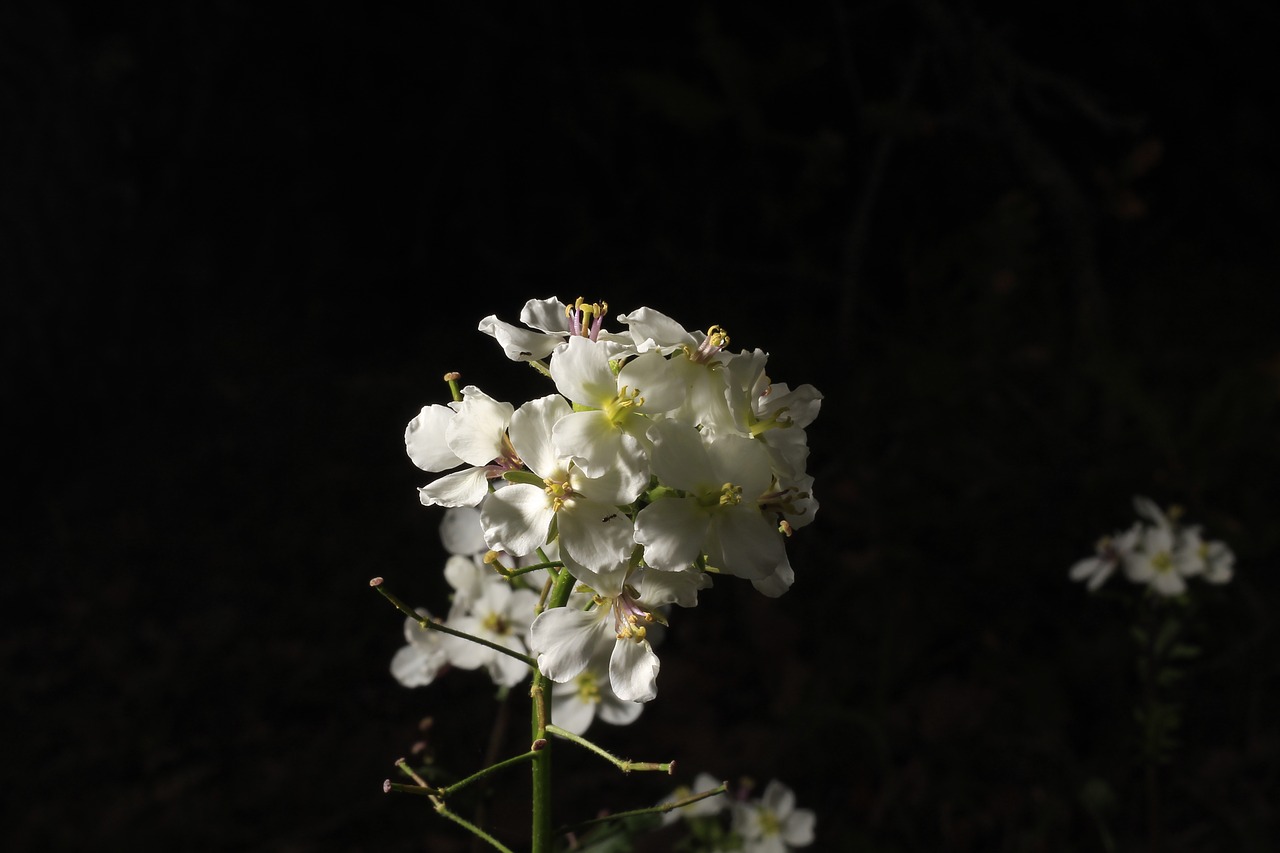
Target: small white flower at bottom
<point x="773" y="824"/>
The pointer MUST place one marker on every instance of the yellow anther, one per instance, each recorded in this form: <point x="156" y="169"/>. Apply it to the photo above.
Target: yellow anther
<point x="628" y="398"/>
<point x="717" y="337"/>
<point x="784" y="527"/>
<point x="730" y="494"/>
<point x="1162" y="562"/>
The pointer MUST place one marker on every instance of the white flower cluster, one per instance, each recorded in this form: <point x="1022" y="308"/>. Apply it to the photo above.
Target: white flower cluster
<point x="486" y="605"/>
<point x="661" y="460"/>
<point x="770" y="823"/>
<point x="1157" y="551"/>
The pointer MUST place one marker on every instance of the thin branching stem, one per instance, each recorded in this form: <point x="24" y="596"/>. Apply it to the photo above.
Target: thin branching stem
<point x="661" y="808"/>
<point x="428" y="624"/>
<point x="623" y="764"/>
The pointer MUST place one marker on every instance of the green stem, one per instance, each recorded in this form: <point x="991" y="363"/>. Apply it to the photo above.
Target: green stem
<point x="426" y="623"/>
<point x="443" y="810"/>
<point x="623" y="764"/>
<point x="661" y="808"/>
<point x="492" y="768"/>
<point x="540" y="695"/>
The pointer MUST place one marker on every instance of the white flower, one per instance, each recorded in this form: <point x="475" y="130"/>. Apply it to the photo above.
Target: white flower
<point x="461" y="532"/>
<point x="1219" y="562"/>
<point x="1110" y="554"/>
<point x="566" y="640"/>
<point x="607" y="428"/>
<point x="552" y="323"/>
<point x="707" y="807"/>
<point x="696" y="361"/>
<point x="472" y="431"/>
<point x="546" y="316"/>
<point x="576" y="703"/>
<point x="1157" y="563"/>
<point x="518" y="517"/>
<point x="773" y="413"/>
<point x="500" y="615"/>
<point x="418" y="663"/>
<point x="719" y="514"/>
<point x="773" y="824"/>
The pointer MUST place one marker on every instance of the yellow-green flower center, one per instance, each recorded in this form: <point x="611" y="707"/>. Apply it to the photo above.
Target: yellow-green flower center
<point x="588" y="688"/>
<point x="559" y="492"/>
<point x="498" y="624"/>
<point x="1162" y="561"/>
<point x="627" y="399"/>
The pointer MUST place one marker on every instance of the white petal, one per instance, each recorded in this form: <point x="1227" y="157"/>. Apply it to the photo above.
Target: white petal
<point x="652" y="329"/>
<point x="607" y="583"/>
<point x="592" y="441"/>
<point x="468" y="578"/>
<point x="633" y="671"/>
<point x="741" y="461"/>
<point x="680" y="457"/>
<point x="1169" y="583"/>
<point x="465" y="654"/>
<point x="744" y="543"/>
<point x="616" y="712"/>
<point x="1085" y="568"/>
<point x="778" y="799"/>
<point x="475" y="434"/>
<point x="777" y="582"/>
<point x="461" y="488"/>
<point x="797" y="831"/>
<point x="505" y="670"/>
<point x="672" y="531"/>
<point x="1150" y="510"/>
<point x="565" y="640"/>
<point x="531" y="427"/>
<point x="569" y="711"/>
<point x="617" y="485"/>
<point x="596" y="535"/>
<point x="1100" y="577"/>
<point x="516" y="519"/>
<point x="415" y="666"/>
<point x="581" y="373"/>
<point x="519" y="344"/>
<point x="661" y="388"/>
<point x="547" y="315"/>
<point x="661" y="588"/>
<point x="460" y="531"/>
<point x="424" y="439"/>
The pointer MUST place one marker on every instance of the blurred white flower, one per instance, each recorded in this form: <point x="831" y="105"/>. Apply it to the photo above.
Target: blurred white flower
<point x="773" y="824"/>
<point x="1157" y="551"/>
<point x="418" y="663"/>
<point x="500" y="615"/>
<point x="708" y="807"/>
<point x="1110" y="553"/>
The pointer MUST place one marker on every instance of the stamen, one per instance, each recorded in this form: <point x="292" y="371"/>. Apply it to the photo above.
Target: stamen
<point x="715" y="341"/>
<point x="730" y="495"/>
<point x="586" y="318"/>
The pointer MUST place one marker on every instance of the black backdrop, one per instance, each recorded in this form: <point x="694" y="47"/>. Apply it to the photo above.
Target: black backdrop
<point x="1029" y="257"/>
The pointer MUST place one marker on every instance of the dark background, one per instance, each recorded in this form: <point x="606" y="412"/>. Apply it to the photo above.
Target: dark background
<point x="1029" y="257"/>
